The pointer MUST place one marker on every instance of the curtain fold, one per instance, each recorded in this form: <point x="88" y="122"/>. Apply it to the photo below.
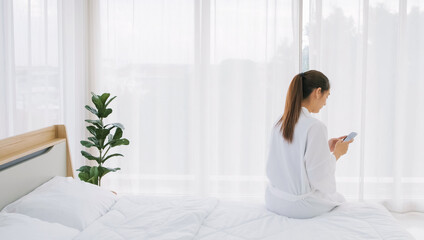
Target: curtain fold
<point x="41" y="83"/>
<point x="6" y="69"/>
<point x="370" y="51"/>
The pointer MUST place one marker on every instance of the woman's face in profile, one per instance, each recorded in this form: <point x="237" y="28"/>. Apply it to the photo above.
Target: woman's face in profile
<point x="321" y="99"/>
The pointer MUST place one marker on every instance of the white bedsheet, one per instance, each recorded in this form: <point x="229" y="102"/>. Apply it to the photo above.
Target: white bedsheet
<point x="233" y="221"/>
<point x="151" y="218"/>
<point x="204" y="219"/>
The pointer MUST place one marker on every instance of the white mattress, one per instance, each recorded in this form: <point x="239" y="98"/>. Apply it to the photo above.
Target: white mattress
<point x="207" y="218"/>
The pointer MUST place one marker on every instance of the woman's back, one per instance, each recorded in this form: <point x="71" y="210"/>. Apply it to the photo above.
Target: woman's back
<point x="302" y="173"/>
<point x="286" y="166"/>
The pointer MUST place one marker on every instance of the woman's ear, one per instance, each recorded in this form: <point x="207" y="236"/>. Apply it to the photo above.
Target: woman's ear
<point x="318" y="92"/>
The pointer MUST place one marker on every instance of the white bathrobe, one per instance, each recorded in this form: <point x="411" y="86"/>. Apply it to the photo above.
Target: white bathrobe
<point x="302" y="173"/>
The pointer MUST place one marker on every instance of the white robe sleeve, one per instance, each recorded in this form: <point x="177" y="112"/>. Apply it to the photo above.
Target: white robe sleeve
<point x="320" y="162"/>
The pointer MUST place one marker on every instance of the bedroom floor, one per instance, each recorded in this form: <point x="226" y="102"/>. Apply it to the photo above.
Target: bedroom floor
<point x="413" y="222"/>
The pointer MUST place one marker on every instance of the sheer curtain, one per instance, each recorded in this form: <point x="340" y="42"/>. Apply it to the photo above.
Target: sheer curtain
<point x="41" y="56"/>
<point x="199" y="86"/>
<point x="372" y="52"/>
<point x="30" y="77"/>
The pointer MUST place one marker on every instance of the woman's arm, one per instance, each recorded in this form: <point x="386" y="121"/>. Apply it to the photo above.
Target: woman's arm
<point x="320" y="163"/>
<point x="340" y="148"/>
<point x="332" y="142"/>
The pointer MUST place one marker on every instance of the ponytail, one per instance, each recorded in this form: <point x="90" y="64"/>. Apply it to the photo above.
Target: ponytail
<point x="300" y="88"/>
<point x="292" y="109"/>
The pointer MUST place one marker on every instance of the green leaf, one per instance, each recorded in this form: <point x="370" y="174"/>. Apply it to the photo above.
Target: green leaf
<point x="97" y="102"/>
<point x="119" y="142"/>
<point x="84" y="176"/>
<point x="104" y="170"/>
<point x="94" y="171"/>
<point x="87" y="144"/>
<point x="118" y="134"/>
<point x="112" y="155"/>
<point x="102" y="133"/>
<point x="92" y="110"/>
<point x="96" y="123"/>
<point x="109" y="137"/>
<point x="95" y="142"/>
<point x="110" y="100"/>
<point x="106" y="113"/>
<point x="94" y="175"/>
<point x="118" y="125"/>
<point x="92" y="130"/>
<point x="85" y="169"/>
<point x="104" y="97"/>
<point x="90" y="157"/>
<point x="99" y="136"/>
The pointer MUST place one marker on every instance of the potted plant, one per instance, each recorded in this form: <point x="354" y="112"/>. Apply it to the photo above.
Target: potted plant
<point x="103" y="138"/>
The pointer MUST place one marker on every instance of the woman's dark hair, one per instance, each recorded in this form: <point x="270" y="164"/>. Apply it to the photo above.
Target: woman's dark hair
<point x="300" y="88"/>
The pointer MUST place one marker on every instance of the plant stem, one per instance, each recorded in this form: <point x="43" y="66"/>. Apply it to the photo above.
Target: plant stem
<point x="106" y="152"/>
<point x="100" y="155"/>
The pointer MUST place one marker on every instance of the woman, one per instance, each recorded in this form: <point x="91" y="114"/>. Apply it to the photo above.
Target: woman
<point x="301" y="163"/>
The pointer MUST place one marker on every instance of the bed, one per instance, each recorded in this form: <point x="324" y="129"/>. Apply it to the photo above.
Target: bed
<point x="41" y="200"/>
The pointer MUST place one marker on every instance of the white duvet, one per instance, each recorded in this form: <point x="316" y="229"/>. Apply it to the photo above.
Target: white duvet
<point x="152" y="218"/>
<point x="206" y="218"/>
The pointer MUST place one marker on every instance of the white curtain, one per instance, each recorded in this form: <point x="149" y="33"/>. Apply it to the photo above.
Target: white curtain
<point x="201" y="82"/>
<point x="199" y="86"/>
<point x="42" y="81"/>
<point x="31" y="87"/>
<point x="372" y="51"/>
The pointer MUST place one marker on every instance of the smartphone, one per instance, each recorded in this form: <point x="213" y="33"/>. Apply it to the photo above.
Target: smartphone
<point x="350" y="136"/>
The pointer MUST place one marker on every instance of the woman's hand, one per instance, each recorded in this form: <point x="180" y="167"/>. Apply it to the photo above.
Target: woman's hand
<point x="332" y="142"/>
<point x="340" y="148"/>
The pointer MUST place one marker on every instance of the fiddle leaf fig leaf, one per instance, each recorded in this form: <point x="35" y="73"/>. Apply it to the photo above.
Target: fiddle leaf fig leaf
<point x="90" y="157"/>
<point x="112" y="155"/>
<point x="110" y="100"/>
<point x="118" y="134"/>
<point x="96" y="123"/>
<point x="84" y="176"/>
<point x="92" y="110"/>
<point x="117" y="125"/>
<point x="104" y="97"/>
<point x="85" y="169"/>
<point x="95" y="141"/>
<point x="101" y="133"/>
<point x="106" y="112"/>
<point x="104" y="170"/>
<point x="120" y="142"/>
<point x="87" y="144"/>
<point x="109" y="137"/>
<point x="97" y="102"/>
<point x="92" y="130"/>
<point x="94" y="175"/>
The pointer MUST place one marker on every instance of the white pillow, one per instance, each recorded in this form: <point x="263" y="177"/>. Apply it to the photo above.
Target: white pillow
<point x="67" y="201"/>
<point x="18" y="226"/>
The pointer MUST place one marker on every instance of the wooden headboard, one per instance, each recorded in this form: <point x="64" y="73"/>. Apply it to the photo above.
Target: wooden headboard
<point x="29" y="160"/>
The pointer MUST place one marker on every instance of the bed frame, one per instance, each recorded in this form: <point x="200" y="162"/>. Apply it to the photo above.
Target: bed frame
<point x="48" y="151"/>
